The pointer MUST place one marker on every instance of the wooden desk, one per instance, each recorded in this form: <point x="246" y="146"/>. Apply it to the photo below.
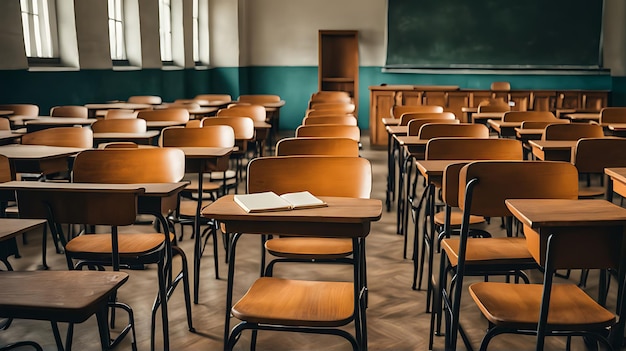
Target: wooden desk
<point x="139" y="138"/>
<point x="94" y="108"/>
<point x="6" y="112"/>
<point x="616" y="182"/>
<point x="547" y="217"/>
<point x="60" y="296"/>
<point x="160" y="125"/>
<point x="391" y="121"/>
<point x="483" y="117"/>
<point x="553" y="150"/>
<point x="9" y="229"/>
<point x="8" y="136"/>
<point x="51" y="122"/>
<point x="392" y="130"/>
<point x="584" y="117"/>
<point x="38" y="158"/>
<point x="504" y="129"/>
<point x="343" y="218"/>
<point x="202" y="160"/>
<point x="529" y="134"/>
<point x="617" y="129"/>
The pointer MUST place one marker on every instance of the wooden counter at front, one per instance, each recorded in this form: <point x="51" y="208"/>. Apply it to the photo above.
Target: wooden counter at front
<point x="453" y="99"/>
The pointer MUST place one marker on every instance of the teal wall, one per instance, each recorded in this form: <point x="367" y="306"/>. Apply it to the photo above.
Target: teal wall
<point x="294" y="84"/>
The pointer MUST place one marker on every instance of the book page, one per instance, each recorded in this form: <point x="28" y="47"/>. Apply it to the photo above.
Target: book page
<point x="303" y="199"/>
<point x="262" y="202"/>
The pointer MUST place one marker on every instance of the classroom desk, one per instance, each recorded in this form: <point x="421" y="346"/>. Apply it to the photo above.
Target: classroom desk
<point x="139" y="138"/>
<point x="38" y="158"/>
<point x="194" y="113"/>
<point x="616" y="182"/>
<point x="343" y="218"/>
<point x="548" y="217"/>
<point x="504" y="129"/>
<point x="483" y="117"/>
<point x="582" y="117"/>
<point x="202" y="160"/>
<point x="9" y="229"/>
<point x="8" y="136"/>
<point x="60" y="296"/>
<point x="617" y="129"/>
<point x="553" y="150"/>
<point x="51" y="122"/>
<point x="6" y="112"/>
<point x="528" y="134"/>
<point x="392" y="130"/>
<point x="94" y="108"/>
<point x="155" y="199"/>
<point x="391" y="121"/>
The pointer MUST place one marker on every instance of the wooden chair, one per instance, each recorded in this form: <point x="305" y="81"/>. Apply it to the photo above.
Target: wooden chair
<point x="501" y="90"/>
<point x="522" y="116"/>
<point x="170" y="114"/>
<point x="329" y="130"/>
<point x="60" y="136"/>
<point x="21" y="109"/>
<point x="131" y="166"/>
<point x="120" y="114"/>
<point x="69" y="111"/>
<point x="5" y="124"/>
<point x="405" y="118"/>
<point x="572" y="131"/>
<point x="321" y="307"/>
<point x="468" y="130"/>
<point x="592" y="155"/>
<point x="335" y="106"/>
<point x="214" y="97"/>
<point x="343" y="120"/>
<point x="493" y="105"/>
<point x="328" y="112"/>
<point x="256" y="112"/>
<point x="398" y="110"/>
<point x="135" y="125"/>
<point x="145" y="99"/>
<point x="612" y="115"/>
<point x="487" y="185"/>
<point x="317" y="146"/>
<point x="330" y="96"/>
<point x="414" y="125"/>
<point x="258" y="98"/>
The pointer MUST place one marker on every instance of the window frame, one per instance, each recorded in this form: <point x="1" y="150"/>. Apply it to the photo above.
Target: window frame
<point x="117" y="33"/>
<point x="40" y="26"/>
<point x="165" y="34"/>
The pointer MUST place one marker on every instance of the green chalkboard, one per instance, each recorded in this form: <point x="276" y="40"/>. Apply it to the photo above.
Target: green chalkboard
<point x="494" y="33"/>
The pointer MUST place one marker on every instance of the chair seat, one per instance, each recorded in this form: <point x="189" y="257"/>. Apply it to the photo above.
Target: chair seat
<point x="456" y="218"/>
<point x="324" y="248"/>
<point x="517" y="306"/>
<point x="297" y="303"/>
<point x="207" y="186"/>
<point x="489" y="251"/>
<point x="592" y="191"/>
<point x="188" y="208"/>
<point x="220" y="175"/>
<point x="129" y="244"/>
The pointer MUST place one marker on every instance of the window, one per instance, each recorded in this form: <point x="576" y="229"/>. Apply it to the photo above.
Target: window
<point x="165" y="29"/>
<point x="196" y="32"/>
<point x="39" y="27"/>
<point x="116" y="30"/>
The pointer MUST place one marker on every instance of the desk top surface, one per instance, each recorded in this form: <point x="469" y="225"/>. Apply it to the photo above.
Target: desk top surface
<point x="592" y="116"/>
<point x="147" y="135"/>
<point x="538" y="213"/>
<point x="553" y="144"/>
<point x="6" y="112"/>
<point x="206" y="152"/>
<point x="117" y="105"/>
<point x="435" y="168"/>
<point x="46" y="120"/>
<point x="617" y="173"/>
<point x="34" y="152"/>
<point x="147" y="189"/>
<point x="397" y="129"/>
<point x="10" y="227"/>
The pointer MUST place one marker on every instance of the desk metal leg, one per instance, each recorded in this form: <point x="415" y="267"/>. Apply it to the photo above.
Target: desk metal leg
<point x="197" y="249"/>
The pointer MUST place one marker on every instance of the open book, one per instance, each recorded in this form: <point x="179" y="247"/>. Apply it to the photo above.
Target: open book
<point x="270" y="201"/>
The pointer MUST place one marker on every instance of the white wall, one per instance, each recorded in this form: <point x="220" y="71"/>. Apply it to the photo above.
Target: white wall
<point x="285" y="32"/>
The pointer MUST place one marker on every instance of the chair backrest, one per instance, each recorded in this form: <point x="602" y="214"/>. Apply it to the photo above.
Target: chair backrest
<point x="496" y="181"/>
<point x="214" y="97"/>
<point x="119" y="145"/>
<point x="398" y="110"/>
<point x="5" y="124"/>
<point x="60" y="136"/>
<point x="593" y="155"/>
<point x="405" y="118"/>
<point x="320" y="175"/>
<point x="69" y="111"/>
<point x="194" y="123"/>
<point x="317" y="146"/>
<point x="207" y="136"/>
<point x="335" y="106"/>
<point x="345" y="120"/>
<point x="469" y="130"/>
<point x="135" y="125"/>
<point x="242" y="126"/>
<point x="493" y="105"/>
<point x="128" y="166"/>
<point x="330" y="96"/>
<point x="521" y="116"/>
<point x="145" y="99"/>
<point x="327" y="112"/>
<point x="120" y="114"/>
<point x="501" y="86"/>
<point x="169" y="114"/>
<point x="21" y="109"/>
<point x="258" y="98"/>
<point x="415" y="124"/>
<point x="541" y="124"/>
<point x="613" y="115"/>
<point x="329" y="130"/>
<point x="256" y="112"/>
<point x="7" y="174"/>
<point x="572" y="131"/>
<point x="473" y="149"/>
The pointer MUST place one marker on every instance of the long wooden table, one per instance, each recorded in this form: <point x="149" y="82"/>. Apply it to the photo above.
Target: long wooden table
<point x="343" y="218"/>
<point x="553" y="150"/>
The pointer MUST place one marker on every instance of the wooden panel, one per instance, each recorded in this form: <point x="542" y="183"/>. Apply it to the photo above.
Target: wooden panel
<point x="479" y="96"/>
<point x="380" y="107"/>
<point x="594" y="100"/>
<point x="435" y="98"/>
<point x="543" y="101"/>
<point x="568" y="99"/>
<point x="521" y="100"/>
<point x="456" y="100"/>
<point x="410" y="98"/>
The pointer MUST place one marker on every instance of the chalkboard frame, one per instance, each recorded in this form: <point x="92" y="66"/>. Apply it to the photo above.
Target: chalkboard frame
<point x="409" y="23"/>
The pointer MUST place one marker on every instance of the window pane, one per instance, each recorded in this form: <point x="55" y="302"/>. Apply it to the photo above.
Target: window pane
<point x="37" y="27"/>
<point x="165" y="30"/>
<point x="116" y="30"/>
<point x="196" y="36"/>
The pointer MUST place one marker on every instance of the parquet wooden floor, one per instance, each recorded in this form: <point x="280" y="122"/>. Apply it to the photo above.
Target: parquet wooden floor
<point x="396" y="315"/>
